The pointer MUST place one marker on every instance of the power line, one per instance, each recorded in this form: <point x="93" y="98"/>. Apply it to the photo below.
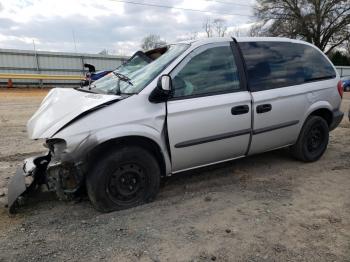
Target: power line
<point x="178" y="8"/>
<point x="229" y="3"/>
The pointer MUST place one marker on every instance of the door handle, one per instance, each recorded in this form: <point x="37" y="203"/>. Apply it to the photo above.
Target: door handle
<point x="240" y="110"/>
<point x="263" y="108"/>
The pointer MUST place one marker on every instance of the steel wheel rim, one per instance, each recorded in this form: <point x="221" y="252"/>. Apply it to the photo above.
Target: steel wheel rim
<point x="127" y="183"/>
<point x="315" y="138"/>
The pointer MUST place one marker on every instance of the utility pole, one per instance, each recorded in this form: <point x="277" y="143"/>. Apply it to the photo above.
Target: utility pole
<point x="37" y="64"/>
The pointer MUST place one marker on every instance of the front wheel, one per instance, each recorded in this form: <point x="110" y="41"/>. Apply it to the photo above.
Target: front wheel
<point x="312" y="141"/>
<point x="123" y="178"/>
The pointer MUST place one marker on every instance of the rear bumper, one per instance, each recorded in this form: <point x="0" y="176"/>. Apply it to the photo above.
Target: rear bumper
<point x="336" y="119"/>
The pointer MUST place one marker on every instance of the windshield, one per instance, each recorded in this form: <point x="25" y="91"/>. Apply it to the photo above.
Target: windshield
<point x="137" y="61"/>
<point x="137" y="80"/>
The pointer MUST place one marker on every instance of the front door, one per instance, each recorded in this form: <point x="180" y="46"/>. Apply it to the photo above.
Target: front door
<point x="209" y="114"/>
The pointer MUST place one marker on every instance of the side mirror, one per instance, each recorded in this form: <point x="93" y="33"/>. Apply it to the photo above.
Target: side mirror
<point x="165" y="82"/>
<point x="162" y="91"/>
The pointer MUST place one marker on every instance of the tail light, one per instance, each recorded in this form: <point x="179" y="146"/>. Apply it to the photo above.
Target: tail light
<point x="340" y="88"/>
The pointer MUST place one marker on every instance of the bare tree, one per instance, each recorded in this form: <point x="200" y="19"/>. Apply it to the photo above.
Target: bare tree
<point x="208" y="27"/>
<point x="347" y="48"/>
<point x="216" y="27"/>
<point x="324" y="23"/>
<point x="256" y="30"/>
<point x="193" y="35"/>
<point x="103" y="52"/>
<point x="152" y="41"/>
<point x="220" y="27"/>
<point x="235" y="32"/>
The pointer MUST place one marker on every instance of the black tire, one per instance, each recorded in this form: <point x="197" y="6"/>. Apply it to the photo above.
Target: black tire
<point x="123" y="178"/>
<point x="312" y="141"/>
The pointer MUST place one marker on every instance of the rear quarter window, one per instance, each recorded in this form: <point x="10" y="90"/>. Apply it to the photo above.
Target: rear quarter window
<point x="280" y="64"/>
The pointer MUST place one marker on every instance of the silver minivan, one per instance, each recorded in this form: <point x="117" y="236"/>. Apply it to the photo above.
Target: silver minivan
<point x="200" y="103"/>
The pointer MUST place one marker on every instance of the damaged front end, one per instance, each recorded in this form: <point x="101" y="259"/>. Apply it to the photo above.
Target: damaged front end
<point x="61" y="170"/>
<point x="28" y="177"/>
<point x="57" y="172"/>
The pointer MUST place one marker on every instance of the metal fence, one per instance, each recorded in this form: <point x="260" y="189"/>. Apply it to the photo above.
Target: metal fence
<point x="343" y="70"/>
<point x="51" y="63"/>
<point x="57" y="63"/>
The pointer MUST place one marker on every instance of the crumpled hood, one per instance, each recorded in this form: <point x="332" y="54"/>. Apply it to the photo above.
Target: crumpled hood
<point x="61" y="106"/>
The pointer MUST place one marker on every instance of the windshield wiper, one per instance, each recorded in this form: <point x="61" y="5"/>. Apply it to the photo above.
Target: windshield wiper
<point x="123" y="78"/>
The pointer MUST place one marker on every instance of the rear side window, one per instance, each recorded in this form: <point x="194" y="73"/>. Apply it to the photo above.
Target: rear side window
<point x="280" y="64"/>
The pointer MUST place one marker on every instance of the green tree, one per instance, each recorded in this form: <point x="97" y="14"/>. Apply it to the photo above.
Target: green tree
<point x="340" y="59"/>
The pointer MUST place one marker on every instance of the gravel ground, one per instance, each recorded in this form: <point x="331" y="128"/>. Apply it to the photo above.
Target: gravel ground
<point x="267" y="207"/>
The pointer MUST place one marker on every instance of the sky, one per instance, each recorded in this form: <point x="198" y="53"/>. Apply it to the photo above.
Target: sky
<point x="89" y="26"/>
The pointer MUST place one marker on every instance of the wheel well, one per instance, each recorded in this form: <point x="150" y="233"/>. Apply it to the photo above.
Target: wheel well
<point x="143" y="142"/>
<point x="325" y="113"/>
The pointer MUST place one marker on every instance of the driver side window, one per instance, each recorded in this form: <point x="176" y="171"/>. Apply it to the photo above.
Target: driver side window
<point x="206" y="71"/>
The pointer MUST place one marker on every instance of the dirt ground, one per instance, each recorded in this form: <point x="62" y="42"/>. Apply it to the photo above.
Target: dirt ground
<point x="267" y="207"/>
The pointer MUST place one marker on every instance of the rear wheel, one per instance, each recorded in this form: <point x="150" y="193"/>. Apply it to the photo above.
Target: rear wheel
<point x="312" y="141"/>
<point x="123" y="178"/>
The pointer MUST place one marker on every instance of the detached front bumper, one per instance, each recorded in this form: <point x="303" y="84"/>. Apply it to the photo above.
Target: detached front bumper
<point x="64" y="179"/>
<point x="28" y="176"/>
